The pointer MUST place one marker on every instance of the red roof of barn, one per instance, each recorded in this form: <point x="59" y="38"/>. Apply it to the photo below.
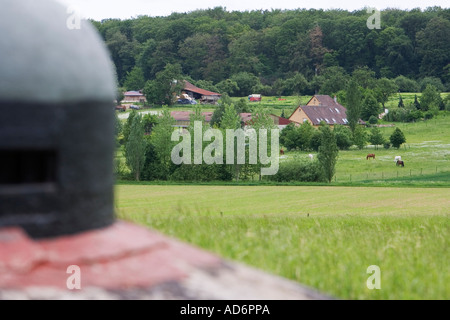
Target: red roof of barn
<point x="283" y="121"/>
<point x="190" y="87"/>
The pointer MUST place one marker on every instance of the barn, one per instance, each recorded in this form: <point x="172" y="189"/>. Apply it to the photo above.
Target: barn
<point x="204" y="96"/>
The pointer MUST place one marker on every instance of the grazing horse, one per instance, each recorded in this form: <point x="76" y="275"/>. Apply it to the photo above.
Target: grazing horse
<point x="371" y="155"/>
<point x="281" y="151"/>
<point x="400" y="163"/>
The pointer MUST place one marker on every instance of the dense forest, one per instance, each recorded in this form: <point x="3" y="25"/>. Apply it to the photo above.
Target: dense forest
<point x="283" y="52"/>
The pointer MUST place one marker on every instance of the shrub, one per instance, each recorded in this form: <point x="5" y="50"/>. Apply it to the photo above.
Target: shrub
<point x="373" y="120"/>
<point x="397" y="138"/>
<point x="430" y="98"/>
<point x="298" y="170"/>
<point x="343" y="137"/>
<point x="396" y="115"/>
<point x="376" y="138"/>
<point x="315" y="141"/>
<point x="413" y="116"/>
<point x="428" y="115"/>
<point x="201" y="172"/>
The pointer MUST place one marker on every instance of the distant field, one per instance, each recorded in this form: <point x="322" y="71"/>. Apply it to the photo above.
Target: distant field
<point x="324" y="237"/>
<point x="426" y="152"/>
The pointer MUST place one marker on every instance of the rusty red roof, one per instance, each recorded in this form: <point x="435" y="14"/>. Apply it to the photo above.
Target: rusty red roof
<point x="190" y="87"/>
<point x="283" y="121"/>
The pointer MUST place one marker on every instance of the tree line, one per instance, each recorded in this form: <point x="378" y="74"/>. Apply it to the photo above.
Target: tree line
<point x="281" y="52"/>
<point x="147" y="145"/>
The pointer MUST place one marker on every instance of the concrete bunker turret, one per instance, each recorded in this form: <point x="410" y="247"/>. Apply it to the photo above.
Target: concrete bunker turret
<point x="56" y="122"/>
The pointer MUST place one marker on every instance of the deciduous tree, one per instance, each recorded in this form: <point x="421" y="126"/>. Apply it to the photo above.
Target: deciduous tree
<point x="328" y="152"/>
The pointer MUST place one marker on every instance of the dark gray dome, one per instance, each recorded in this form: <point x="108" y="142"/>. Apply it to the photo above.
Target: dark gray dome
<point x="57" y="88"/>
<point x="42" y="59"/>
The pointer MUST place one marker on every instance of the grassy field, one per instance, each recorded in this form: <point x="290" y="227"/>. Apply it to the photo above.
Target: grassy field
<point x="324" y="237"/>
<point x="426" y="154"/>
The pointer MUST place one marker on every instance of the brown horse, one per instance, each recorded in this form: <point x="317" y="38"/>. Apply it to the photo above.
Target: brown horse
<point x="371" y="155"/>
<point x="400" y="163"/>
<point x="281" y="151"/>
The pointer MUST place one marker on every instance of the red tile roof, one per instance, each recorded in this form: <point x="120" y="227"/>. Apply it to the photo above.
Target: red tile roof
<point x="283" y="121"/>
<point x="190" y="87"/>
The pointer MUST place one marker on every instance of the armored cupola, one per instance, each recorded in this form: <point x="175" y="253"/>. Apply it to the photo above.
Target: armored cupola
<point x="57" y="88"/>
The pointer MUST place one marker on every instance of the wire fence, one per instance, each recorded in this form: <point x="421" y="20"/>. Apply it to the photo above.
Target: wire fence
<point x="398" y="173"/>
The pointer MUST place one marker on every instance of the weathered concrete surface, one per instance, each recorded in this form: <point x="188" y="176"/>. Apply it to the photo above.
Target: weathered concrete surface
<point x="126" y="261"/>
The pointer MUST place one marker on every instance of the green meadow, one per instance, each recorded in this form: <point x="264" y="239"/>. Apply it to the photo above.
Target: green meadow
<point x="426" y="154"/>
<point x="324" y="235"/>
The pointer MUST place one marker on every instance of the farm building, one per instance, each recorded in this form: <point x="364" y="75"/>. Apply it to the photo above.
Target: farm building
<point x="134" y="96"/>
<point x="204" y="96"/>
<point x="320" y="108"/>
<point x="182" y="118"/>
<point x="280" y="122"/>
